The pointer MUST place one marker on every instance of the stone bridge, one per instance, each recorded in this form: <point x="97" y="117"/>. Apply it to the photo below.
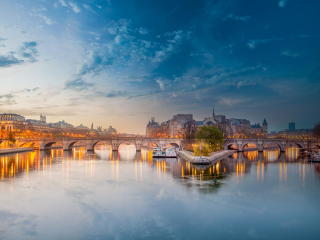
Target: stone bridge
<point x="89" y="144"/>
<point x="267" y="143"/>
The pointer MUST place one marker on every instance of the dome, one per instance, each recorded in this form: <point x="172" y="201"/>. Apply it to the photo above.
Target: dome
<point x="11" y="117"/>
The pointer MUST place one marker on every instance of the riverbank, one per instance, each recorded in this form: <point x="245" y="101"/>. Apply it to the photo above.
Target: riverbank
<point x="15" y="150"/>
<point x="188" y="156"/>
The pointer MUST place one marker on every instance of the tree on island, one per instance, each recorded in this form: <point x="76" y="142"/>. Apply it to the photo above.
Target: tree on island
<point x="316" y="130"/>
<point x="209" y="139"/>
<point x="11" y="139"/>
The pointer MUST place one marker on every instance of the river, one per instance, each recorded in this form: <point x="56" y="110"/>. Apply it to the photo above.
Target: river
<point x="129" y="195"/>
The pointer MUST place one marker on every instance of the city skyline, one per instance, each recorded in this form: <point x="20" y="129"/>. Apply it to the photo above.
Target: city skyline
<point x="119" y="62"/>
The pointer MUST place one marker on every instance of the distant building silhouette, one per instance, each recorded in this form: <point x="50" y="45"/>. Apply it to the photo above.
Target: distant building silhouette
<point x="292" y="126"/>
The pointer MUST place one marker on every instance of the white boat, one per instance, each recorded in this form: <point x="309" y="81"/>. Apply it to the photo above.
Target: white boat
<point x="158" y="153"/>
<point x="171" y="152"/>
<point x="164" y="153"/>
<point x="315" y="157"/>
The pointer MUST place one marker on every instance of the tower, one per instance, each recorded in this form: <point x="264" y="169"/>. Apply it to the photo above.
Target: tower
<point x="292" y="126"/>
<point x="91" y="126"/>
<point x="265" y="126"/>
<point x="43" y="118"/>
<point x="213" y="112"/>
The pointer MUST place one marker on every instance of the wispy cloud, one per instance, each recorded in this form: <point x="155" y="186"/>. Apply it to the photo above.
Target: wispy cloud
<point x="252" y="44"/>
<point x="78" y="84"/>
<point x="114" y="94"/>
<point x="70" y="4"/>
<point x="28" y="52"/>
<point x="236" y="18"/>
<point x="282" y="3"/>
<point x="175" y="38"/>
<point x="7" y="99"/>
<point x="9" y="60"/>
<point x="231" y="101"/>
<point x="288" y="53"/>
<point x="42" y="14"/>
<point x="161" y="84"/>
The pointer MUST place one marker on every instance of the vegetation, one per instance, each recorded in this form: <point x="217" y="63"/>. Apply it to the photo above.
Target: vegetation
<point x="209" y="139"/>
<point x="316" y="130"/>
<point x="11" y="137"/>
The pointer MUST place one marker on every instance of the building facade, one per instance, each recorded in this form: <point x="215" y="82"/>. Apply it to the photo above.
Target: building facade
<point x="184" y="126"/>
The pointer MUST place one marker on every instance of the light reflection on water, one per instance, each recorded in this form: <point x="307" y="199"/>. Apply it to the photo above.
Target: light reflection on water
<point x="129" y="195"/>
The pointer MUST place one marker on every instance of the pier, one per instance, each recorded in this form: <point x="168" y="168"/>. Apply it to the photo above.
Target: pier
<point x="203" y="160"/>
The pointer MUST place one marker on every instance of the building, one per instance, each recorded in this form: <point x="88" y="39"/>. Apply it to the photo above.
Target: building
<point x="43" y="118"/>
<point x="235" y="127"/>
<point x="292" y="126"/>
<point x="110" y="131"/>
<point x="179" y="126"/>
<point x="12" y="122"/>
<point x="184" y="126"/>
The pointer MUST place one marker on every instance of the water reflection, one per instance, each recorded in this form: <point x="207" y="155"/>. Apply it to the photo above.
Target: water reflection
<point x="118" y="195"/>
<point x="239" y="164"/>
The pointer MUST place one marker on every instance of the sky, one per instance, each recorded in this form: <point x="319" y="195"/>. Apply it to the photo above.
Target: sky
<point x="120" y="62"/>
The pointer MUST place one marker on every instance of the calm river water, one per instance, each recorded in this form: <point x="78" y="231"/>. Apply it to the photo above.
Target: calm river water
<point x="105" y="195"/>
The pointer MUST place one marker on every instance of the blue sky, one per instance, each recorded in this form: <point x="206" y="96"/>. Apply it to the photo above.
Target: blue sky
<point x="120" y="62"/>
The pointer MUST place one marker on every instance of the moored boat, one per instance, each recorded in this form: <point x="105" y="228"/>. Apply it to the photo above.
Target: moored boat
<point x="315" y="157"/>
<point x="158" y="153"/>
<point x="164" y="152"/>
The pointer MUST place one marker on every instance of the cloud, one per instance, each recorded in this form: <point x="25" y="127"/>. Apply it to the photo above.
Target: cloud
<point x="143" y="31"/>
<point x="175" y="38"/>
<point x="236" y="18"/>
<point x="29" y="51"/>
<point x="230" y="101"/>
<point x="9" y="60"/>
<point x="282" y="3"/>
<point x="95" y="62"/>
<point x="116" y="94"/>
<point x="161" y="84"/>
<point x="7" y="99"/>
<point x="71" y="5"/>
<point x="245" y="83"/>
<point x="78" y="84"/>
<point x="290" y="54"/>
<point x="252" y="44"/>
<point x="39" y="12"/>
<point x="74" y="7"/>
<point x="46" y="19"/>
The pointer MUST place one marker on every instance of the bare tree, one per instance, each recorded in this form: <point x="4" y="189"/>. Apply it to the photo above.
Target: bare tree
<point x="316" y="130"/>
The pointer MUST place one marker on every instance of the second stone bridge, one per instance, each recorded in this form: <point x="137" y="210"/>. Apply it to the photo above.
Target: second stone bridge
<point x="89" y="144"/>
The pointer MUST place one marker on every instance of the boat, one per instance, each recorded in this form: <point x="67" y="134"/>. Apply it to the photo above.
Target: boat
<point x="158" y="153"/>
<point x="171" y="152"/>
<point x="315" y="157"/>
<point x="164" y="152"/>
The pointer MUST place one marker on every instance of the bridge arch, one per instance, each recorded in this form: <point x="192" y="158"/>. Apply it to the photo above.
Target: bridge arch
<point x="27" y="144"/>
<point x="125" y="144"/>
<point x="249" y="145"/>
<point x="270" y="145"/>
<point x="69" y="145"/>
<point x="93" y="144"/>
<point x="48" y="145"/>
<point x="294" y="144"/>
<point x="232" y="146"/>
<point x="174" y="145"/>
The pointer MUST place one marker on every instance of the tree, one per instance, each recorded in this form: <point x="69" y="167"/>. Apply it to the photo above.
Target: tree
<point x="316" y="130"/>
<point x="11" y="139"/>
<point x="190" y="129"/>
<point x="210" y="139"/>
